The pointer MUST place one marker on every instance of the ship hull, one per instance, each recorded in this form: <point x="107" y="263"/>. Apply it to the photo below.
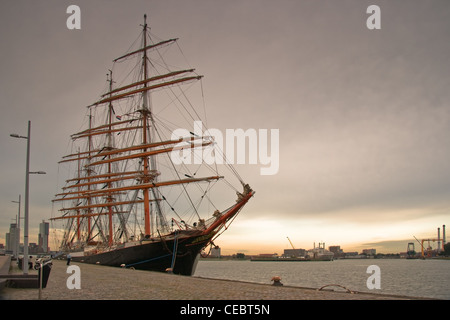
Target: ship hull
<point x="178" y="254"/>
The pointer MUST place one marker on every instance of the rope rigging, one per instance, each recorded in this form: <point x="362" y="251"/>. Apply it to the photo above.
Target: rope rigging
<point x="107" y="205"/>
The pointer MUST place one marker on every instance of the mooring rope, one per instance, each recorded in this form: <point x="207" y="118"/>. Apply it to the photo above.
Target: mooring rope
<point x="175" y="248"/>
<point x="336" y="285"/>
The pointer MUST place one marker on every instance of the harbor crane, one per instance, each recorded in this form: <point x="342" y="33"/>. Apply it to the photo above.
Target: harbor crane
<point x="423" y="248"/>
<point x="429" y="247"/>
<point x="291" y="243"/>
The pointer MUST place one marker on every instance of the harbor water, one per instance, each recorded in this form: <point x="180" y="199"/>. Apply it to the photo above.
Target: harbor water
<point x="416" y="278"/>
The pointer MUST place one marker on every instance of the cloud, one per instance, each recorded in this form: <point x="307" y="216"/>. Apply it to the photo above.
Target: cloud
<point x="363" y="115"/>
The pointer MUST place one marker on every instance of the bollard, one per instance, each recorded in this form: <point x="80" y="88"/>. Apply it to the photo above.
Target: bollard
<point x="276" y="281"/>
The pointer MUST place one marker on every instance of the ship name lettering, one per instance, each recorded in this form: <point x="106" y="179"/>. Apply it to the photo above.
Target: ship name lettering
<point x="205" y="237"/>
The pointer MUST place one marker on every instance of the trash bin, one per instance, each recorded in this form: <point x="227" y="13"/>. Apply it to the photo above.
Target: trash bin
<point x="45" y="267"/>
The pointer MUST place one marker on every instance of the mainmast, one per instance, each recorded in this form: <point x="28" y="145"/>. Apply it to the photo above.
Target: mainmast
<point x="109" y="147"/>
<point x="145" y="139"/>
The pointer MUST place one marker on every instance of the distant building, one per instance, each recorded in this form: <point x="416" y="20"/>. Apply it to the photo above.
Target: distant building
<point x="338" y="252"/>
<point x="11" y="239"/>
<point x="7" y="240"/>
<point x="351" y="254"/>
<point x="43" y="237"/>
<point x="240" y="255"/>
<point x="294" y="253"/>
<point x="33" y="248"/>
<point x="215" y="252"/>
<point x="370" y="252"/>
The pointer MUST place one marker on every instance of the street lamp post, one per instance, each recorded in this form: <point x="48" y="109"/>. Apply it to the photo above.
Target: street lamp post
<point x="18" y="231"/>
<point x="27" y="189"/>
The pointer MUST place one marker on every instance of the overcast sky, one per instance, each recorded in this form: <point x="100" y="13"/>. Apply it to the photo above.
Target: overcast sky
<point x="363" y="115"/>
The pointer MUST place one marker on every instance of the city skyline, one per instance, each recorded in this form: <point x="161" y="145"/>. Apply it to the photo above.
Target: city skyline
<point x="363" y="114"/>
<point x="15" y="247"/>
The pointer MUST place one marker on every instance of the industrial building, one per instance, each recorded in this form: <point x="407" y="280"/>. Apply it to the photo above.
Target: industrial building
<point x="428" y="251"/>
<point x="294" y="253"/>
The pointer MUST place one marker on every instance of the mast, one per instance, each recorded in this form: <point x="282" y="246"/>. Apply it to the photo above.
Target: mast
<point x="88" y="173"/>
<point x="78" y="209"/>
<point x="109" y="198"/>
<point x="145" y="139"/>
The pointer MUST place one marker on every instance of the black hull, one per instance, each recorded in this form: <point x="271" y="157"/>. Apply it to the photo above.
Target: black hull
<point x="155" y="255"/>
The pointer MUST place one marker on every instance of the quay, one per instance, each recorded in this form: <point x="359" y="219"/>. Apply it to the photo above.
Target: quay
<point x="5" y="262"/>
<point x="109" y="283"/>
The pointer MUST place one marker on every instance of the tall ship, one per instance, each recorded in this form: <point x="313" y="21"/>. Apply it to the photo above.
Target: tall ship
<point x="138" y="194"/>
